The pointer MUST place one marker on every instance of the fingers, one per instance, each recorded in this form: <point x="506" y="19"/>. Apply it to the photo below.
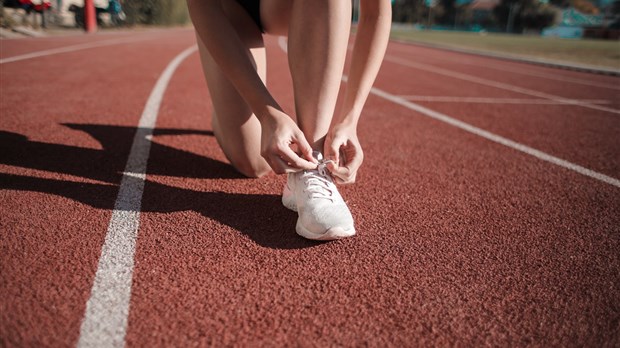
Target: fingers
<point x="293" y="160"/>
<point x="282" y="159"/>
<point x="332" y="149"/>
<point x="305" y="148"/>
<point x="279" y="166"/>
<point x="341" y="174"/>
<point x="346" y="173"/>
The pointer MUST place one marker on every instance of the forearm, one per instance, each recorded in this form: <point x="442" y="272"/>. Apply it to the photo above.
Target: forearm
<point x="231" y="55"/>
<point x="368" y="52"/>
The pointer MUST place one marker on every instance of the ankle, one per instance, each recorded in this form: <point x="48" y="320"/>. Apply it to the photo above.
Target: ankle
<point x="318" y="144"/>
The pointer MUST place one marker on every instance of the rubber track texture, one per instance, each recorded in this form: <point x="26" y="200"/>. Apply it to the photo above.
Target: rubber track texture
<point x="461" y="241"/>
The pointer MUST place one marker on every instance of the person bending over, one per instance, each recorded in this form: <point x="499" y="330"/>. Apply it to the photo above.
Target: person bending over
<point x="252" y="129"/>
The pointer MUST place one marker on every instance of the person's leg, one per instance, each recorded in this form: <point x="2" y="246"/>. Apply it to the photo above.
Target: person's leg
<point x="237" y="130"/>
<point x="318" y="33"/>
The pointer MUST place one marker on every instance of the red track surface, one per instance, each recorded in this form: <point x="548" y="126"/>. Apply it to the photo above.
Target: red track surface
<point x="461" y="240"/>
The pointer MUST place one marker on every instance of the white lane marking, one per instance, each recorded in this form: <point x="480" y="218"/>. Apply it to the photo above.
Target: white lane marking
<point x="546" y="76"/>
<point x="495" y="84"/>
<point x="482" y="100"/>
<point x="485" y="134"/>
<point x="495" y="138"/>
<point x="105" y="319"/>
<point x="77" y="47"/>
<point x="538" y="74"/>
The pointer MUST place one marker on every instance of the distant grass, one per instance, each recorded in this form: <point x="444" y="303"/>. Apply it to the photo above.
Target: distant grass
<point x="604" y="53"/>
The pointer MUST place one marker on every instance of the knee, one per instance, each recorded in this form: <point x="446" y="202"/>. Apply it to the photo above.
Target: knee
<point x="252" y="169"/>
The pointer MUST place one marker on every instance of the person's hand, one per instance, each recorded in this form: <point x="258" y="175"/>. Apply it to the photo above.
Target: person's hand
<point x="343" y="148"/>
<point x="279" y="136"/>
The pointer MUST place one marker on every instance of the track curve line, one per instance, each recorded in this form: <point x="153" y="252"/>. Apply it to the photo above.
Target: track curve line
<point x="105" y="320"/>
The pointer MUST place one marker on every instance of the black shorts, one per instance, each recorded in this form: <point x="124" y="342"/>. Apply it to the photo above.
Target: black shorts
<point x="253" y="9"/>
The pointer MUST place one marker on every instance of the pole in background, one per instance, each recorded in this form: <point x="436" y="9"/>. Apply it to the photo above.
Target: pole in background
<point x="90" y="18"/>
<point x="430" y="4"/>
<point x="514" y="7"/>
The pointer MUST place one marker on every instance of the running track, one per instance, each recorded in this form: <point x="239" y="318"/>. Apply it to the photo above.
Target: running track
<point x="488" y="207"/>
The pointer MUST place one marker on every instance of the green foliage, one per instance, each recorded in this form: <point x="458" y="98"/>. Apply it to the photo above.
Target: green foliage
<point x="526" y="14"/>
<point x="449" y="12"/>
<point x="156" y="12"/>
<point x="409" y="11"/>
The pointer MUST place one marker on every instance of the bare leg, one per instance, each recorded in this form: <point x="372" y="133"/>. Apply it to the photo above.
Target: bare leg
<point x="318" y="33"/>
<point x="237" y="130"/>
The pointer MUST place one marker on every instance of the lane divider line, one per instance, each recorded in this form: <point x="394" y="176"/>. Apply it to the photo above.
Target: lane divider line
<point x="494" y="137"/>
<point x="77" y="47"/>
<point x="105" y="319"/>
<point x="483" y="133"/>
<point x="496" y="84"/>
<point x="594" y="69"/>
<point x="483" y="100"/>
<point x="514" y="70"/>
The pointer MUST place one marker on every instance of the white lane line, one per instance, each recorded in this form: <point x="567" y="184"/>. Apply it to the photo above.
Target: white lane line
<point x="545" y="76"/>
<point x="538" y="74"/>
<point x="483" y="133"/>
<point x="495" y="138"/>
<point x="78" y="47"/>
<point x="482" y="100"/>
<point x="105" y="319"/>
<point x="495" y="84"/>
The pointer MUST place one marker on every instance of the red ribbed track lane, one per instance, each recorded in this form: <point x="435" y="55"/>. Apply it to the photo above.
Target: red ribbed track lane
<point x="18" y="47"/>
<point x="67" y="123"/>
<point x="461" y="240"/>
<point x="579" y="134"/>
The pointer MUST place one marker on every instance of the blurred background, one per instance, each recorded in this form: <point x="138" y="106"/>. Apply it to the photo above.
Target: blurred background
<point x="67" y="14"/>
<point x="561" y="18"/>
<point x="576" y="31"/>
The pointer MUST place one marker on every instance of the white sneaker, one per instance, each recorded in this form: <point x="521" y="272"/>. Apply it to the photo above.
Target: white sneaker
<point x="323" y="214"/>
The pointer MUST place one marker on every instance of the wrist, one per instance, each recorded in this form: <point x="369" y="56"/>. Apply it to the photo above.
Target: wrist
<point x="266" y="112"/>
<point x="347" y="122"/>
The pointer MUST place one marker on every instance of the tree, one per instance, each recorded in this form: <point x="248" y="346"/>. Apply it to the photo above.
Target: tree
<point x="448" y="12"/>
<point x="409" y="11"/>
<point x="519" y="15"/>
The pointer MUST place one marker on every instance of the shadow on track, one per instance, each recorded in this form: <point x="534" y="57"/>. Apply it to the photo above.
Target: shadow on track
<point x="108" y="163"/>
<point x="261" y="217"/>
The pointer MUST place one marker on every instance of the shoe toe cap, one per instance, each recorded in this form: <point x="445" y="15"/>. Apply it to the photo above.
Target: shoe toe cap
<point x="334" y="221"/>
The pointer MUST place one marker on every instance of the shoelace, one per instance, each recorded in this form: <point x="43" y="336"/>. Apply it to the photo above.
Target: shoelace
<point x="318" y="181"/>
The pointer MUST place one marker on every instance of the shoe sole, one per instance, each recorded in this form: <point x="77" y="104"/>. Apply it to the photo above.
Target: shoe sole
<point x="331" y="234"/>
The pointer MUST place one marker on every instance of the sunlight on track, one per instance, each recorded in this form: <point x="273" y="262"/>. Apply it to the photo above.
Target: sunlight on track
<point x="482" y="100"/>
<point x="495" y="138"/>
<point x="74" y="48"/>
<point x="107" y="309"/>
<point x="486" y="134"/>
<point x="500" y="85"/>
<point x="534" y="73"/>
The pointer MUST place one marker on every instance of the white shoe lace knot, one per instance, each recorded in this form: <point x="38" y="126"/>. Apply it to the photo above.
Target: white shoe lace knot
<point x="318" y="181"/>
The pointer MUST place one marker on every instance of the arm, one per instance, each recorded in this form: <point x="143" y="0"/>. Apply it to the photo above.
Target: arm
<point x="278" y="130"/>
<point x="368" y="52"/>
<point x="230" y="54"/>
<point x="371" y="41"/>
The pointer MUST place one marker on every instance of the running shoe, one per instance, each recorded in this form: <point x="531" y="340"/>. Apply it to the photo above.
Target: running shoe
<point x="323" y="214"/>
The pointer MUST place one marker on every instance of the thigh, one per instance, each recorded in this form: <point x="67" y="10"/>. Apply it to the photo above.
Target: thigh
<point x="237" y="130"/>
